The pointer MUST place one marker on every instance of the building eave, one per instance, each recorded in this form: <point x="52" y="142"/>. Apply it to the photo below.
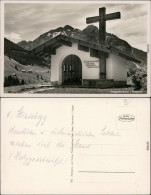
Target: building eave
<point x="60" y="40"/>
<point x="124" y="54"/>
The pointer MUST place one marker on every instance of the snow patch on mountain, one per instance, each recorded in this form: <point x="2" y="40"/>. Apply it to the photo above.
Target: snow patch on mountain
<point x="49" y="34"/>
<point x="63" y="33"/>
<point x="55" y="34"/>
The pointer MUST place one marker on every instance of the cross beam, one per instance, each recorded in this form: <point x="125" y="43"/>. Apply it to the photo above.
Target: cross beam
<point x="112" y="16"/>
<point x="102" y="18"/>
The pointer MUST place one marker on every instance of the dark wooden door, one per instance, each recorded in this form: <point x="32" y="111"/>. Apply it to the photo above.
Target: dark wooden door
<point x="72" y="70"/>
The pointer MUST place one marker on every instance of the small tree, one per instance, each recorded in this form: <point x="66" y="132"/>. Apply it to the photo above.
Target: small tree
<point x="16" y="67"/>
<point x="22" y="82"/>
<point x="6" y="82"/>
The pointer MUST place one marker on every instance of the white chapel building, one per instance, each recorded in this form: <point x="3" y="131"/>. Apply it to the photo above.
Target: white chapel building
<point x="77" y="62"/>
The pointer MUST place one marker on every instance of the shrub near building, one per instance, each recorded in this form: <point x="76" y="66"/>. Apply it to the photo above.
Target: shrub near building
<point x="139" y="78"/>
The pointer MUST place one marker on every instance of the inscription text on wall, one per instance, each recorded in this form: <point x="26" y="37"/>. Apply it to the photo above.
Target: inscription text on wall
<point x="92" y="63"/>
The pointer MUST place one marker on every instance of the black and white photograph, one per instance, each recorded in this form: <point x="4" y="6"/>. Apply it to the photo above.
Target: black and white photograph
<point x="75" y="93"/>
<point x="76" y="47"/>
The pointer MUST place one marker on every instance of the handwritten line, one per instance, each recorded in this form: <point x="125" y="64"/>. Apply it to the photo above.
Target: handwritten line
<point x="106" y="171"/>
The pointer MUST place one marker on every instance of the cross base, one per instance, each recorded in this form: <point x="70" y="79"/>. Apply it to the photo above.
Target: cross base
<point x="102" y="76"/>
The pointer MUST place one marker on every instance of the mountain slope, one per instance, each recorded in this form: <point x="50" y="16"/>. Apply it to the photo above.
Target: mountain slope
<point x="21" y="55"/>
<point x="30" y="74"/>
<point x="90" y="34"/>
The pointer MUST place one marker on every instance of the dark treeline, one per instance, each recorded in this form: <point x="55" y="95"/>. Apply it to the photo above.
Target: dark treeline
<point x="13" y="81"/>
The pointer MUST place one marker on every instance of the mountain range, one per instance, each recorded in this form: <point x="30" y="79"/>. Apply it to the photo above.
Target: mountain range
<point x="90" y="34"/>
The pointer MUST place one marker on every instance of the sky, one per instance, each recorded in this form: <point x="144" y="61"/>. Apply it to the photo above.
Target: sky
<point x="27" y="21"/>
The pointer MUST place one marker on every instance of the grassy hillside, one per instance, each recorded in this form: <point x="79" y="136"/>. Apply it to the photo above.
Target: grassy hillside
<point x="37" y="74"/>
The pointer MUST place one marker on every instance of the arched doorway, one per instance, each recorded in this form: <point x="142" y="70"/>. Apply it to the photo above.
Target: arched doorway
<point x="72" y="70"/>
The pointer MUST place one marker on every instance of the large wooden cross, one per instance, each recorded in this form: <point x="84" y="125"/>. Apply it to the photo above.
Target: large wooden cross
<point x="102" y="18"/>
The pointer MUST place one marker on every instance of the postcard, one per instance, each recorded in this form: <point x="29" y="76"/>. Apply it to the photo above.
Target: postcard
<point x="75" y="146"/>
<point x="75" y="48"/>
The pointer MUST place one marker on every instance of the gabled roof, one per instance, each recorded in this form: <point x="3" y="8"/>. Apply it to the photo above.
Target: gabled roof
<point x="50" y="47"/>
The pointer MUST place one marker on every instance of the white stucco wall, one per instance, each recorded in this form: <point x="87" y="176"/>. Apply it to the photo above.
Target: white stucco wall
<point x="116" y="68"/>
<point x="64" y="51"/>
